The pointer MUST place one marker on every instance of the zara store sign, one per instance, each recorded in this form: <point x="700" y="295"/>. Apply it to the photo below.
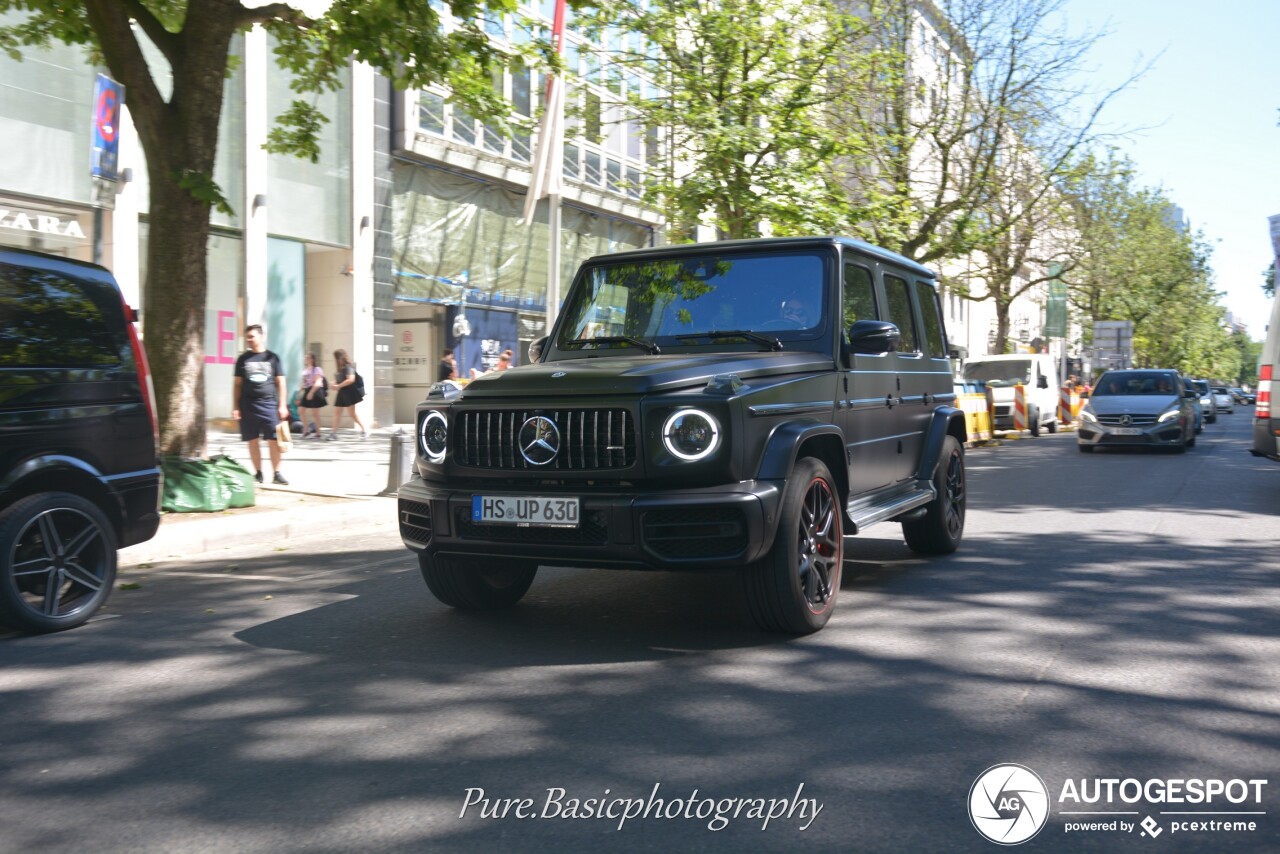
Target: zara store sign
<point x="42" y="223"/>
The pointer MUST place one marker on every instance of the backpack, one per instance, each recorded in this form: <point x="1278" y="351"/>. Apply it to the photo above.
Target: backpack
<point x="358" y="385"/>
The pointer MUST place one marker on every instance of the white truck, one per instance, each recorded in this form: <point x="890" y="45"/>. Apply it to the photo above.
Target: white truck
<point x="1039" y="376"/>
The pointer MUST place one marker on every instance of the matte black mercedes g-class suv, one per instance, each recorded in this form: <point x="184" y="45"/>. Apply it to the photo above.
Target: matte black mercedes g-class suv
<point x="79" y="474"/>
<point x="737" y="404"/>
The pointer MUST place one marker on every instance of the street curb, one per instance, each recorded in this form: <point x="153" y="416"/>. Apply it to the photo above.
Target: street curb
<point x="186" y="537"/>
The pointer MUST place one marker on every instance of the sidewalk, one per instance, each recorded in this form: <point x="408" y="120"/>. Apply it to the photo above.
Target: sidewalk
<point x="332" y="486"/>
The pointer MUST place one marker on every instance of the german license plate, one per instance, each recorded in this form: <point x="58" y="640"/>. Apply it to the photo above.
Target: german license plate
<point x="525" y="510"/>
<point x="1127" y="431"/>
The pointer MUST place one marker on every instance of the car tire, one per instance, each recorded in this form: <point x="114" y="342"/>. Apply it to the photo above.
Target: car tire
<point x="61" y="538"/>
<point x="1053" y="426"/>
<point x="1211" y="419"/>
<point x="793" y="588"/>
<point x="476" y="584"/>
<point x="1033" y="421"/>
<point x="1085" y="449"/>
<point x="939" y="531"/>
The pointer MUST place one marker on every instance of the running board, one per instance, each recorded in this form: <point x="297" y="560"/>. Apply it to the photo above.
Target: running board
<point x="861" y="518"/>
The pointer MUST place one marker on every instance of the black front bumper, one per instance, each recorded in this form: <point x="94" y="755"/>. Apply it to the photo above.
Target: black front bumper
<point x="723" y="526"/>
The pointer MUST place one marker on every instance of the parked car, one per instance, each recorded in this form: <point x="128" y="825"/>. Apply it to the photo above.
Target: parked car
<point x="1241" y="396"/>
<point x="1193" y="394"/>
<point x="1222" y="399"/>
<point x="1206" y="401"/>
<point x="79" y="473"/>
<point x="738" y="405"/>
<point x="1145" y="408"/>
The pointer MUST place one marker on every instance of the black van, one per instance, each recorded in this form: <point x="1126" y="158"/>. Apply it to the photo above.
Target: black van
<point x="742" y="404"/>
<point x="79" y="467"/>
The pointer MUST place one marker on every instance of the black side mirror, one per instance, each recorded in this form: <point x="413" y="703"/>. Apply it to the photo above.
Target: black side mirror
<point x="874" y="337"/>
<point x="536" y="348"/>
<point x="1042" y="381"/>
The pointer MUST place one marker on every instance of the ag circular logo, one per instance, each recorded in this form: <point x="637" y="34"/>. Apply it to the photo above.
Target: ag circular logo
<point x="1008" y="804"/>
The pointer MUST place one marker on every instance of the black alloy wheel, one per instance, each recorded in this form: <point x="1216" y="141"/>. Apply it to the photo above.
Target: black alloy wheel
<point x="940" y="530"/>
<point x="57" y="559"/>
<point x="793" y="588"/>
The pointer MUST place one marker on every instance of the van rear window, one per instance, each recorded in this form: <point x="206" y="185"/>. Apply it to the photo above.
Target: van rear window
<point x="49" y="320"/>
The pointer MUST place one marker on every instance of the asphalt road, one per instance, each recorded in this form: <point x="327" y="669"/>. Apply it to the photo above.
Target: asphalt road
<point x="1109" y="616"/>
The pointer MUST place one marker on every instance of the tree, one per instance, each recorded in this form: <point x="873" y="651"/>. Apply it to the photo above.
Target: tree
<point x="1269" y="280"/>
<point x="1135" y="262"/>
<point x="401" y="38"/>
<point x="744" y="90"/>
<point x="956" y="94"/>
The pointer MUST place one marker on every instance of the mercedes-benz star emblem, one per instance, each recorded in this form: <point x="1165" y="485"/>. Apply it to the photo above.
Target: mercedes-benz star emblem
<point x="539" y="440"/>
<point x="1126" y="420"/>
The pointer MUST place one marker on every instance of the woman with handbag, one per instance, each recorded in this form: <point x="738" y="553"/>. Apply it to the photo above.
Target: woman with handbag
<point x="350" y="388"/>
<point x="311" y="396"/>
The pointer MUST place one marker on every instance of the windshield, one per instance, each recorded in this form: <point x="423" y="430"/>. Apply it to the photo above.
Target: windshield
<point x="681" y="300"/>
<point x="1136" y="383"/>
<point x="1003" y="372"/>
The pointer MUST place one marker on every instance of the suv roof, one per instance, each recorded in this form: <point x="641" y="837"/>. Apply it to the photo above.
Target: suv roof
<point x="765" y="243"/>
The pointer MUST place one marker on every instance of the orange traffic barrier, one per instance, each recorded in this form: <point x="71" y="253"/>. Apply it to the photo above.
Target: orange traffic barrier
<point x="1068" y="405"/>
<point x="1019" y="407"/>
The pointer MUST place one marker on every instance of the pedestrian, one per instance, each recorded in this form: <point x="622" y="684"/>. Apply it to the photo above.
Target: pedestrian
<point x="260" y="400"/>
<point x="503" y="363"/>
<point x="344" y="379"/>
<point x="448" y="367"/>
<point x="312" y="396"/>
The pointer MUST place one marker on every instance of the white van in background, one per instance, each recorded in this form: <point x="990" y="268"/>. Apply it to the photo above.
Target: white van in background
<point x="1037" y="372"/>
<point x="1266" y="420"/>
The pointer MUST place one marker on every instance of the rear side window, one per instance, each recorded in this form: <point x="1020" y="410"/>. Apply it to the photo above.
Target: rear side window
<point x="899" y="295"/>
<point x="47" y="319"/>
<point x="859" y="297"/>
<point x="930" y="312"/>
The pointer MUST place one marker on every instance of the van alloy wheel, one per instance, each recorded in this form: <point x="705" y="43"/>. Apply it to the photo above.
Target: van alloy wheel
<point x="59" y="562"/>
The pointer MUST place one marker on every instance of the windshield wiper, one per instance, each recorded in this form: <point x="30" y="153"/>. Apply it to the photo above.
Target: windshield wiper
<point x="647" y="346"/>
<point x="771" y="343"/>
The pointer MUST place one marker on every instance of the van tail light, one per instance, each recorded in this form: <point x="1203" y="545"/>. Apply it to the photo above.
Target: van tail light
<point x="144" y="370"/>
<point x="1264" y="393"/>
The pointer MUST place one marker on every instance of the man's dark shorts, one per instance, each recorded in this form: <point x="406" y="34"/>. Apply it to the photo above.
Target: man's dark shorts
<point x="258" y="419"/>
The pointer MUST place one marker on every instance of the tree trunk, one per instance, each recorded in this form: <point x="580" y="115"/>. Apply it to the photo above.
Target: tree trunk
<point x="1002" y="326"/>
<point x="176" y="288"/>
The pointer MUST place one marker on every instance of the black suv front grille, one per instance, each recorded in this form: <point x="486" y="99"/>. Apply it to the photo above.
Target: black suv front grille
<point x="589" y="439"/>
<point x="695" y="532"/>
<point x="592" y="530"/>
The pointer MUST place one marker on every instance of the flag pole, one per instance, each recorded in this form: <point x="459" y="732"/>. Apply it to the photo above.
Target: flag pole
<point x="553" y="259"/>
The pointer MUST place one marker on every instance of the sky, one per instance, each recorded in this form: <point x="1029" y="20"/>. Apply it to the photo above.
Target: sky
<point x="1211" y="106"/>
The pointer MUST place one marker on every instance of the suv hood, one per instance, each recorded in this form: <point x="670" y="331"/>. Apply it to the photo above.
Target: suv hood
<point x="633" y="375"/>
<point x="1136" y="404"/>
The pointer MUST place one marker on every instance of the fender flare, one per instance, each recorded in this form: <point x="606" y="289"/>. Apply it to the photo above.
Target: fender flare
<point x="44" y="464"/>
<point x="780" y="449"/>
<point x="947" y="420"/>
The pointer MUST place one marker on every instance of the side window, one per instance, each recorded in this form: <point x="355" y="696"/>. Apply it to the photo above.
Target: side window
<point x="859" y="297"/>
<point x="930" y="310"/>
<point x="898" y="293"/>
<point x="50" y="320"/>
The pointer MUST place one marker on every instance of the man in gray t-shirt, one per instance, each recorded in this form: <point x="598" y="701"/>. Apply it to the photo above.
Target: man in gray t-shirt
<point x="260" y="400"/>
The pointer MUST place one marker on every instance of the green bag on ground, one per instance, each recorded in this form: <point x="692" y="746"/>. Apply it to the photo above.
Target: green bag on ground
<point x="237" y="481"/>
<point x="205" y="486"/>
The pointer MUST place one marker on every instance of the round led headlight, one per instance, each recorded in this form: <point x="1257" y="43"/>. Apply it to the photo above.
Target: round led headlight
<point x="435" y="436"/>
<point x="691" y="434"/>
